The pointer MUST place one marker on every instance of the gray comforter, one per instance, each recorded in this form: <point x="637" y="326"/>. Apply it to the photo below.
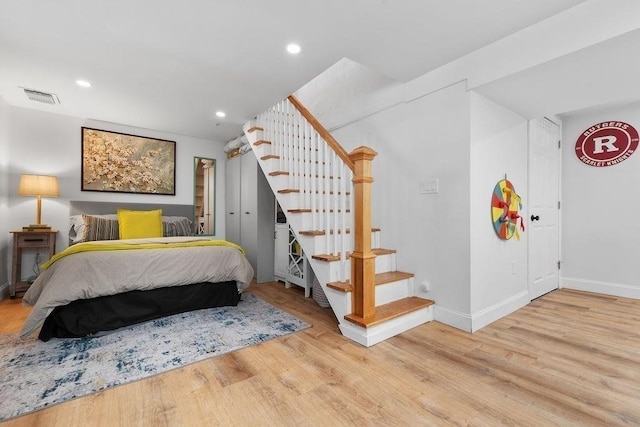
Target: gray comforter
<point x="95" y="273"/>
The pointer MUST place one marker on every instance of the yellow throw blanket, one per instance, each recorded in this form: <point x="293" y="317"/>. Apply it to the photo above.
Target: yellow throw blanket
<point x="118" y="245"/>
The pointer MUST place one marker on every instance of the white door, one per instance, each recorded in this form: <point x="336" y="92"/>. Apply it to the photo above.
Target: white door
<point x="544" y="207"/>
<point x="249" y="208"/>
<point x="232" y="200"/>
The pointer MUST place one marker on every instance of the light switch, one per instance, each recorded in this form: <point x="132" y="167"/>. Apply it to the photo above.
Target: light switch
<point x="429" y="186"/>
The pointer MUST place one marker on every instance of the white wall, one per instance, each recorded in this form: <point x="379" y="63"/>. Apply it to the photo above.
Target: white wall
<point x="600" y="213"/>
<point x="47" y="143"/>
<point x="498" y="267"/>
<point x="422" y="139"/>
<point x="5" y="240"/>
<point x="447" y="239"/>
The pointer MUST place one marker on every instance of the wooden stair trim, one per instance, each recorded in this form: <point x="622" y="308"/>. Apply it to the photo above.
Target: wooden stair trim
<point x="293" y="211"/>
<point x="253" y="129"/>
<point x="276" y="173"/>
<point x="261" y="142"/>
<point x="270" y="156"/>
<point x="381" y="279"/>
<point x="288" y="190"/>
<point x="390" y="311"/>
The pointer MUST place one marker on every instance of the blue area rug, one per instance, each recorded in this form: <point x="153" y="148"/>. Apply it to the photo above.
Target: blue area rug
<point x="36" y="374"/>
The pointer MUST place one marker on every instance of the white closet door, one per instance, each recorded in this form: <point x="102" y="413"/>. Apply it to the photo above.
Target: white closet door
<point x="544" y="207"/>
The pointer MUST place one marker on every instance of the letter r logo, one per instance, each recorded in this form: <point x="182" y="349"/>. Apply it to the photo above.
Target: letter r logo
<point x="604" y="141"/>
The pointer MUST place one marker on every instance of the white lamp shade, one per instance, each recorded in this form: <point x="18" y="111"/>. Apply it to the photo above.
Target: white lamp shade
<point x="39" y="185"/>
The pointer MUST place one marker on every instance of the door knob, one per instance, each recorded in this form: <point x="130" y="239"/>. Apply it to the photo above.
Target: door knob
<point x="535" y="217"/>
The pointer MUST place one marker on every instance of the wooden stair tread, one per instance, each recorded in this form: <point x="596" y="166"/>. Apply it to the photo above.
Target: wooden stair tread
<point x="381" y="251"/>
<point x="390" y="311"/>
<point x="307" y="210"/>
<point x="253" y="129"/>
<point x="331" y="258"/>
<point x="312" y="233"/>
<point x="380" y="279"/>
<point x="261" y="142"/>
<point x="296" y="190"/>
<point x="270" y="156"/>
<point x="275" y="173"/>
<point x="321" y="232"/>
<point x="326" y="257"/>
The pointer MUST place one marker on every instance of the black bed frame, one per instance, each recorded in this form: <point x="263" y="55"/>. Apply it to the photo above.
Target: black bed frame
<point x="88" y="317"/>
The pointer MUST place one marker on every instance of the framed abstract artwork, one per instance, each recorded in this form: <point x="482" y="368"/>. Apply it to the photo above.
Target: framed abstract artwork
<point x="123" y="163"/>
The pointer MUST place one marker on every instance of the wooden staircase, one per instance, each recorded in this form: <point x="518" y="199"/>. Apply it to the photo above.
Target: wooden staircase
<point x="325" y="193"/>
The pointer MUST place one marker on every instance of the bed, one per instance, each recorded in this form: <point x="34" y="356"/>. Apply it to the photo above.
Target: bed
<point x="102" y="282"/>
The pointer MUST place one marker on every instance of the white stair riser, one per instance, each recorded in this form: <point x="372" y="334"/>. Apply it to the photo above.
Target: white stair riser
<point x="322" y="245"/>
<point x="394" y="291"/>
<point x="302" y="200"/>
<point x="339" y="269"/>
<point x="378" y="333"/>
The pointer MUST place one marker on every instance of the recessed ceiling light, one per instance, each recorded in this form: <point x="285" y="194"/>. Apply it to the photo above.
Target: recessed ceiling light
<point x="293" y="48"/>
<point x="221" y="113"/>
<point x="83" y="83"/>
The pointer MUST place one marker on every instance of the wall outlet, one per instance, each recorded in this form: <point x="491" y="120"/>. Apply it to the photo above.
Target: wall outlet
<point x="425" y="286"/>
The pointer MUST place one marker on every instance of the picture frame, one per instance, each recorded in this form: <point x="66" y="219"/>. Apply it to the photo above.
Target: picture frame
<point x="123" y="163"/>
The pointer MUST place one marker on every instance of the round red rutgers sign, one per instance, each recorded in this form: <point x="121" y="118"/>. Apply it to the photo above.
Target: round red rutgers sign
<point x="607" y="144"/>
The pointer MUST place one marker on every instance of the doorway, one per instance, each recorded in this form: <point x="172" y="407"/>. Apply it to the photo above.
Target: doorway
<point x="544" y="207"/>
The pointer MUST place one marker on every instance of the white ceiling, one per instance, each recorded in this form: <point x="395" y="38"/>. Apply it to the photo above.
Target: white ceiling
<point x="169" y="65"/>
<point x="591" y="79"/>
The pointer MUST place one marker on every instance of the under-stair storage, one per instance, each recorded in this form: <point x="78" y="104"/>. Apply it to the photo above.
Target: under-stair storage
<point x="281" y="252"/>
<point x="249" y="215"/>
<point x="291" y="265"/>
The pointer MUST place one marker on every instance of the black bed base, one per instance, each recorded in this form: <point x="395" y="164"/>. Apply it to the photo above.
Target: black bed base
<point x="87" y="317"/>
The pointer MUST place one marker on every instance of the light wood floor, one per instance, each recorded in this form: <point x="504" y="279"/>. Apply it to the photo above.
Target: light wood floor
<point x="568" y="359"/>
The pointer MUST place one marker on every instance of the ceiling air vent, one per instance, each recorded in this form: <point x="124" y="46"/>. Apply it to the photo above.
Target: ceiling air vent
<point x="44" y="97"/>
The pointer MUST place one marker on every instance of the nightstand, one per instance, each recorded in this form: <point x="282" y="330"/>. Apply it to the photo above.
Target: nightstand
<point x="28" y="240"/>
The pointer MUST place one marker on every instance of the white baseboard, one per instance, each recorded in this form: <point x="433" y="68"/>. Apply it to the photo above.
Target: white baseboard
<point x="499" y="310"/>
<point x="453" y="318"/>
<point x="373" y="335"/>
<point x="615" y="289"/>
<point x="476" y="321"/>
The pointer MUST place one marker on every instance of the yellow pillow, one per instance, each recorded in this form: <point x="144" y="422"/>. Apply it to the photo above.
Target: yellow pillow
<point x="139" y="224"/>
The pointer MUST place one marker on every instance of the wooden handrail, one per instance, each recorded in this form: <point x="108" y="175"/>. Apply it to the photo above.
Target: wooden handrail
<point x="335" y="145"/>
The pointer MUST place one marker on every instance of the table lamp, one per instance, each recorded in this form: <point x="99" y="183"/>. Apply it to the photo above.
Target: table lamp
<point x="39" y="186"/>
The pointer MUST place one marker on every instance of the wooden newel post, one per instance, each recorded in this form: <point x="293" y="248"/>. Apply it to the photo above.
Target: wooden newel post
<point x="363" y="262"/>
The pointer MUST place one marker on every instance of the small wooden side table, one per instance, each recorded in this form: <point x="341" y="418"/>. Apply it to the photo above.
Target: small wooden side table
<point x="23" y="239"/>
